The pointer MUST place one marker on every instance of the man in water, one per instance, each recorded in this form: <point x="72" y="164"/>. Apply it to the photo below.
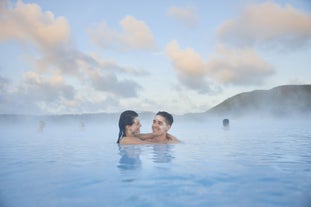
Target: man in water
<point x="162" y="123"/>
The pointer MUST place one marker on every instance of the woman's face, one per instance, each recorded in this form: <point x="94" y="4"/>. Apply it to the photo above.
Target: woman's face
<point x="134" y="129"/>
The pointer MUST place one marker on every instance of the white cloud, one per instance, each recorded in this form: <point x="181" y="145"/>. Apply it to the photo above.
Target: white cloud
<point x="190" y="67"/>
<point x="60" y="71"/>
<point x="228" y="66"/>
<point x="268" y="24"/>
<point x="135" y="35"/>
<point x="199" y="83"/>
<point x="4" y="83"/>
<point x="29" y="25"/>
<point x="240" y="66"/>
<point x="187" y="15"/>
<point x="235" y="60"/>
<point x="186" y="60"/>
<point x="113" y="66"/>
<point x="33" y="92"/>
<point x="109" y="82"/>
<point x="46" y="89"/>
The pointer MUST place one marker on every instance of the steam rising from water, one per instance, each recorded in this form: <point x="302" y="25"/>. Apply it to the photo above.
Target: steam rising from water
<point x="72" y="162"/>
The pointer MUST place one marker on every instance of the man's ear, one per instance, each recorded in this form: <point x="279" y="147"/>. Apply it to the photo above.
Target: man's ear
<point x="168" y="127"/>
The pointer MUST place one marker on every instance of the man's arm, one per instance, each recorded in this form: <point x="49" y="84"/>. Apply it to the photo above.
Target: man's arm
<point x="149" y="136"/>
<point x="145" y="136"/>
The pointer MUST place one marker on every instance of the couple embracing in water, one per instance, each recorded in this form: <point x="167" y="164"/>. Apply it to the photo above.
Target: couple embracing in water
<point x="129" y="129"/>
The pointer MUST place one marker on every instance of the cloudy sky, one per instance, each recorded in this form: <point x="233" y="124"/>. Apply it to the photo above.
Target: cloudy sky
<point x="181" y="56"/>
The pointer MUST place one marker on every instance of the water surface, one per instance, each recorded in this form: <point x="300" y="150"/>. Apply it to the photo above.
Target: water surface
<point x="252" y="164"/>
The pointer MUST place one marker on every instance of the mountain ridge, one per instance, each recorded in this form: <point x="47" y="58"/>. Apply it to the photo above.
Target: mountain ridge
<point x="279" y="101"/>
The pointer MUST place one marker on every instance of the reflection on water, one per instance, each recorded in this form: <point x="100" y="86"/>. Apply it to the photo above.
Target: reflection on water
<point x="129" y="163"/>
<point x="130" y="159"/>
<point x="135" y="158"/>
<point x="162" y="153"/>
<point x="130" y="155"/>
<point x="252" y="164"/>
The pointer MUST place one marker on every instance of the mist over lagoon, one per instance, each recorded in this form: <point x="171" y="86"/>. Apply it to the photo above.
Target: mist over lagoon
<point x="262" y="158"/>
<point x="261" y="162"/>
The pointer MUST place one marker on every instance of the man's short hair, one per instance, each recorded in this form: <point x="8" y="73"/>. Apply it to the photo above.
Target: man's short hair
<point x="168" y="117"/>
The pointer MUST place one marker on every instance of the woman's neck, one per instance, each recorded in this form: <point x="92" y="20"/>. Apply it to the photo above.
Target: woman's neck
<point x="129" y="134"/>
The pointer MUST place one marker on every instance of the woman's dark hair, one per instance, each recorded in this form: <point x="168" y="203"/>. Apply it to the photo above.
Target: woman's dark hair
<point x="126" y="118"/>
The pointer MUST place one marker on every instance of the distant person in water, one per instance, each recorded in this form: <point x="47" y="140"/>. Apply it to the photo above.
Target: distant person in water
<point x="129" y="130"/>
<point x="82" y="125"/>
<point x="225" y="123"/>
<point x="41" y="126"/>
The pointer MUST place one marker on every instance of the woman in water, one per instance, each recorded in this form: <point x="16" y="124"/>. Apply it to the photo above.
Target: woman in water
<point x="129" y="129"/>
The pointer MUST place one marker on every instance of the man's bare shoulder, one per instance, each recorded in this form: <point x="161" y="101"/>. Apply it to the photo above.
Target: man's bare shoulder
<point x="172" y="139"/>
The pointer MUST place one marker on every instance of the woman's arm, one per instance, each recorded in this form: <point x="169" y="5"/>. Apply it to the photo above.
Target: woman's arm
<point x="146" y="136"/>
<point x="150" y="137"/>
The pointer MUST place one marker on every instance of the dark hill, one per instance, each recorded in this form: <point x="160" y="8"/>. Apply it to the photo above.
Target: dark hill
<point x="279" y="101"/>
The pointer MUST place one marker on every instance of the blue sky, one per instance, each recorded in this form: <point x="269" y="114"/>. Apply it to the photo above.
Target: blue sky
<point x="180" y="56"/>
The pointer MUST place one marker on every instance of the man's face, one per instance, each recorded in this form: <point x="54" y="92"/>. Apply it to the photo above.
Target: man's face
<point x="134" y="129"/>
<point x="159" y="126"/>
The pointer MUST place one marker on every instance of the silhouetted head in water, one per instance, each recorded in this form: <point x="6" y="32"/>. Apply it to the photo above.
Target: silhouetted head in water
<point x="126" y="119"/>
<point x="225" y="123"/>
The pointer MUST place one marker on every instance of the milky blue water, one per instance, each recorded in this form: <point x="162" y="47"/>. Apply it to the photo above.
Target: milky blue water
<point x="252" y="164"/>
